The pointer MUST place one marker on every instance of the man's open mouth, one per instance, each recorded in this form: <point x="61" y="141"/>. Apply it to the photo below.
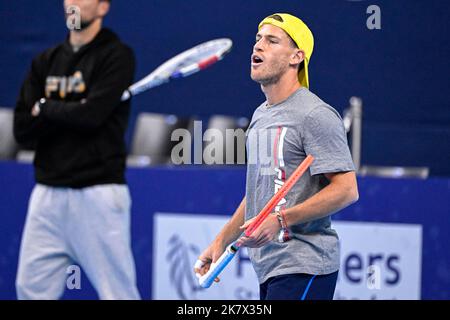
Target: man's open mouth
<point x="256" y="59"/>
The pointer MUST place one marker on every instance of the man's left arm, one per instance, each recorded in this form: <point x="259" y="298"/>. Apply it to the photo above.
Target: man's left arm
<point x="338" y="194"/>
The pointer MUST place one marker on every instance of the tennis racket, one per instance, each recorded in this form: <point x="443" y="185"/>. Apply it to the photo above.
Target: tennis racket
<point x="216" y="268"/>
<point x="182" y="65"/>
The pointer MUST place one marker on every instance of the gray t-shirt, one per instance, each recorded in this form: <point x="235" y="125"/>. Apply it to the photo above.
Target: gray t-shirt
<point x="278" y="140"/>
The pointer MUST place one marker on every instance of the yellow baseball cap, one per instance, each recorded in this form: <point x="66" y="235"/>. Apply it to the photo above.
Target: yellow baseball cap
<point x="300" y="33"/>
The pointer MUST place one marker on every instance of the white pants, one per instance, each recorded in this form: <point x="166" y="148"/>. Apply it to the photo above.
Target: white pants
<point x="89" y="227"/>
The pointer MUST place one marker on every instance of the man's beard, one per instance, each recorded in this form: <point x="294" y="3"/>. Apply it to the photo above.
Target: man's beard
<point x="271" y="78"/>
<point x="84" y="25"/>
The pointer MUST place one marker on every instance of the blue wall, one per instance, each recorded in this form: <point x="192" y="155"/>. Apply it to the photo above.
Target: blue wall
<point x="401" y="71"/>
<point x="208" y="190"/>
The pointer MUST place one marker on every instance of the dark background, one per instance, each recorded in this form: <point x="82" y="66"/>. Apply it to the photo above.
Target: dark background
<point x="401" y="71"/>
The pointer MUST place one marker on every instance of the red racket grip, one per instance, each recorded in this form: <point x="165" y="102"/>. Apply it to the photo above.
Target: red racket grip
<point x="279" y="195"/>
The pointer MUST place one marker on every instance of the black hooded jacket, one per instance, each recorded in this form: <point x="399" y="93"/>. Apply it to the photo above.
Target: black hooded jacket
<point x="79" y="134"/>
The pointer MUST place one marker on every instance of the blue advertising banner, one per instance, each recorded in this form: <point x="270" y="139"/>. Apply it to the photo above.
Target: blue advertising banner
<point x="410" y="214"/>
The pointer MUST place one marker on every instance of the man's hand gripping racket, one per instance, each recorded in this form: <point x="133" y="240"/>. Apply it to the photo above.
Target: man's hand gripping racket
<point x="216" y="268"/>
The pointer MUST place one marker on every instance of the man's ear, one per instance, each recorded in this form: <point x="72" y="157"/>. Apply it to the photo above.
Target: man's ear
<point x="297" y="57"/>
<point x="103" y="8"/>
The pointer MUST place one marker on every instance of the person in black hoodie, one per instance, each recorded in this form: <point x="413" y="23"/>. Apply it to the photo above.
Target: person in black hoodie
<point x="70" y="110"/>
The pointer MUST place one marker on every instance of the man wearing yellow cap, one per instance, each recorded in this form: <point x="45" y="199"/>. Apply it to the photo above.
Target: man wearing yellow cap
<point x="295" y="252"/>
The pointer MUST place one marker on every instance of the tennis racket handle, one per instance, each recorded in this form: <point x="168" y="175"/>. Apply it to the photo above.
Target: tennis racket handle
<point x="216" y="268"/>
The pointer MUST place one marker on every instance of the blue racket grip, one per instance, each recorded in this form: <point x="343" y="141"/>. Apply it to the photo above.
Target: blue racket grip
<point x="207" y="279"/>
